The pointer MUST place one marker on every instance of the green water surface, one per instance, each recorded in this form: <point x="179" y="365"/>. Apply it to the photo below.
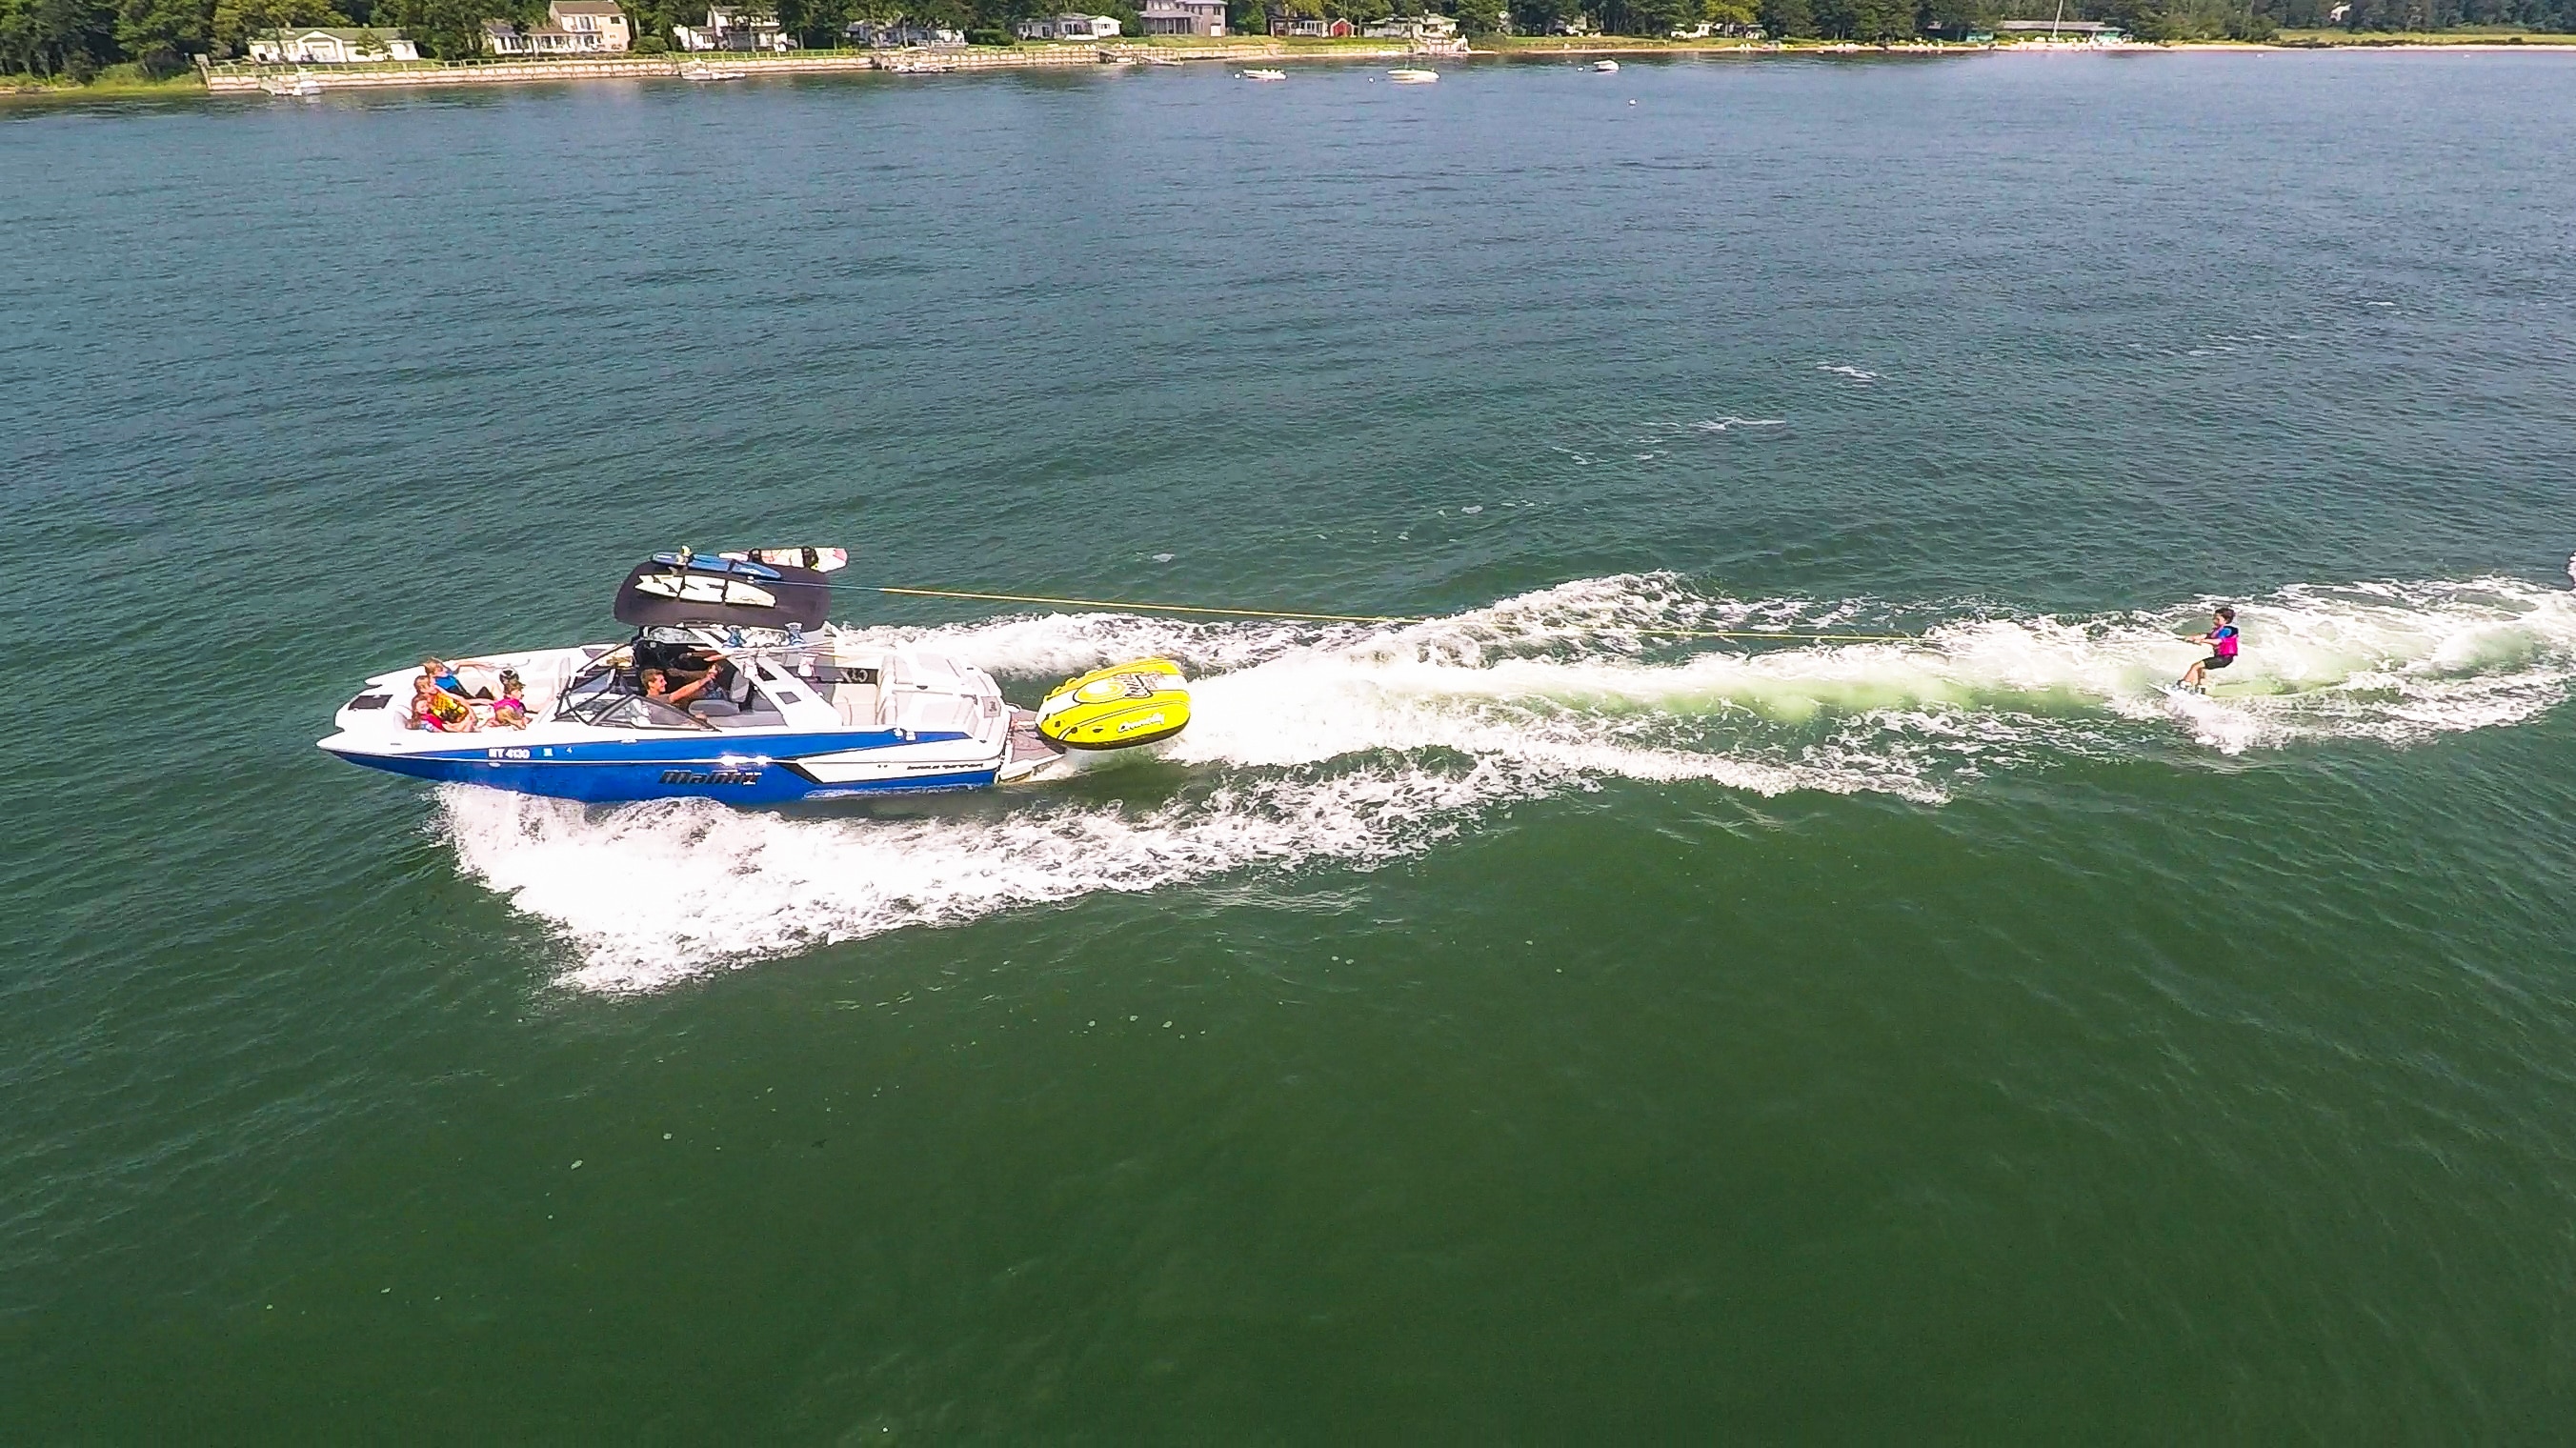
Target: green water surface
<point x="1503" y="1029"/>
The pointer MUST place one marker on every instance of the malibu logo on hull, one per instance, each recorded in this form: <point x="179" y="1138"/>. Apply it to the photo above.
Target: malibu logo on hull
<point x="711" y="776"/>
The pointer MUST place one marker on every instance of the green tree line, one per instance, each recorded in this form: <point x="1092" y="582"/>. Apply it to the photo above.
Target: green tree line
<point x="1878" y="20"/>
<point x="1886" y="20"/>
<point x="79" y="38"/>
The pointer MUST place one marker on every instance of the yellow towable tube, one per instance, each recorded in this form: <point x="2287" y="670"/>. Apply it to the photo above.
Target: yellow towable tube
<point x="1117" y="707"/>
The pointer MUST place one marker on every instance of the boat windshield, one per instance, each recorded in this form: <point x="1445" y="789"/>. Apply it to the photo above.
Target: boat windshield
<point x="603" y="695"/>
<point x="637" y="712"/>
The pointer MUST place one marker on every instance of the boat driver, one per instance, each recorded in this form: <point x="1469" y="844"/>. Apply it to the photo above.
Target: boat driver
<point x="681" y="663"/>
<point x="657" y="687"/>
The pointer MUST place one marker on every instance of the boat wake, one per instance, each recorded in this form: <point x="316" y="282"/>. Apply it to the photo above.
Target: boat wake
<point x="1356" y="744"/>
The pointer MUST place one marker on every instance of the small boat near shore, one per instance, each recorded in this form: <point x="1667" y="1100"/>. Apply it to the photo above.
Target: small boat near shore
<point x="1258" y="73"/>
<point x="1605" y="67"/>
<point x="1412" y="75"/>
<point x="699" y="70"/>
<point x="792" y="708"/>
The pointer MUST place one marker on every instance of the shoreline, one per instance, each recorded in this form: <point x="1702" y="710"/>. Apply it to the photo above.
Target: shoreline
<point x="734" y="66"/>
<point x="238" y="80"/>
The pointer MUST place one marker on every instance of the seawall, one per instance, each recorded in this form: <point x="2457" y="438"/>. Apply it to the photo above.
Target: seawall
<point x="240" y="79"/>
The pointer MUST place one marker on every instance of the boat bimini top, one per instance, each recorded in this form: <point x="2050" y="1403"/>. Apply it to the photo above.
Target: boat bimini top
<point x="694" y="588"/>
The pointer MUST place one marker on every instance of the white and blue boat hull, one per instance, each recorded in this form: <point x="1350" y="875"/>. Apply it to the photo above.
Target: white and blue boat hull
<point x="831" y="719"/>
<point x="787" y="771"/>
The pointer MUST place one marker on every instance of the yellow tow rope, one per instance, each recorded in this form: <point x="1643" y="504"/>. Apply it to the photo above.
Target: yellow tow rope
<point x="1831" y="638"/>
<point x="1148" y="607"/>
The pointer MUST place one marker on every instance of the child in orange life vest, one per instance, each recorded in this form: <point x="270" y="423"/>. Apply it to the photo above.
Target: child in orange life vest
<point x="435" y="709"/>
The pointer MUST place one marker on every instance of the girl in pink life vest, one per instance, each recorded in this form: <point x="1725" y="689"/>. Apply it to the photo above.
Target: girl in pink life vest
<point x="2221" y="639"/>
<point x="510" y="711"/>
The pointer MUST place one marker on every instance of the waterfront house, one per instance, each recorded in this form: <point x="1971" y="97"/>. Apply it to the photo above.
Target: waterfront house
<point x="1185" y="17"/>
<point x="573" y="27"/>
<point x="902" y="35"/>
<point x="594" y="25"/>
<point x="734" y="30"/>
<point x="1305" y="27"/>
<point x="2063" y="32"/>
<point x="336" y="45"/>
<point x="1068" y="27"/>
<point x="1412" y="27"/>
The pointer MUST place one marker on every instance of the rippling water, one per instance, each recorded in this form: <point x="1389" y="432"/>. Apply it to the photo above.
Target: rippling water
<point x="1515" y="1020"/>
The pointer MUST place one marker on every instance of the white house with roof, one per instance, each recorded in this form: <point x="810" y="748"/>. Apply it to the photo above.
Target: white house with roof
<point x="331" y="45"/>
<point x="902" y="35"/>
<point x="573" y="27"/>
<point x="593" y="24"/>
<point x="734" y="30"/>
<point x="1068" y="27"/>
<point x="1412" y="27"/>
<point x="1185" y="17"/>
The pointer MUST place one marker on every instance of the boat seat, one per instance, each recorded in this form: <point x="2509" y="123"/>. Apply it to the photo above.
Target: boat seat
<point x="856" y="704"/>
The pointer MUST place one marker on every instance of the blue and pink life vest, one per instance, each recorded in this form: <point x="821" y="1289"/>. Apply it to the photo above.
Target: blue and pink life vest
<point x="2222" y="641"/>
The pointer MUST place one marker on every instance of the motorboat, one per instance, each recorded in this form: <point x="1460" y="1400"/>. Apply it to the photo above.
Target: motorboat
<point x="1605" y="67"/>
<point x="1409" y="75"/>
<point x="1258" y="73"/>
<point x="793" y="708"/>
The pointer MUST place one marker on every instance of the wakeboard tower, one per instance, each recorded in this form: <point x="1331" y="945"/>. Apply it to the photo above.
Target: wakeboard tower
<point x="794" y="708"/>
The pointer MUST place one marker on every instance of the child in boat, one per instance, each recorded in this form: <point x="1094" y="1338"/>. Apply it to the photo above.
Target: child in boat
<point x="445" y="676"/>
<point x="510" y="711"/>
<point x="2221" y="639"/>
<point x="435" y="709"/>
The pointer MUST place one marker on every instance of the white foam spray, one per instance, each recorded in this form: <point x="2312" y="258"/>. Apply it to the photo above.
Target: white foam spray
<point x="1356" y="744"/>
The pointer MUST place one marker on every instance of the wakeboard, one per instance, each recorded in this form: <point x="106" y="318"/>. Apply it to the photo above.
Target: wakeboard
<point x="821" y="560"/>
